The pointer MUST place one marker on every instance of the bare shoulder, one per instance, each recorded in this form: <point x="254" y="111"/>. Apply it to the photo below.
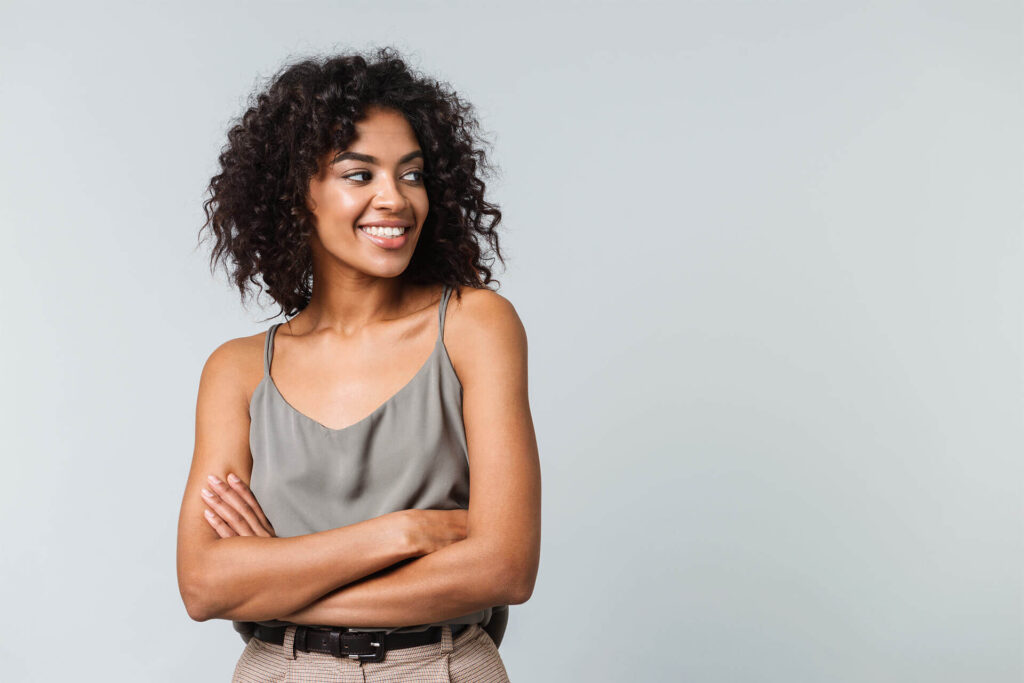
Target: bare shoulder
<point x="229" y="377"/>
<point x="235" y="366"/>
<point x="482" y="312"/>
<point x="483" y="328"/>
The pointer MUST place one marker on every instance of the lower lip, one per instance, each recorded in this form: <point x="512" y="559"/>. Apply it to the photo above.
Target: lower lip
<point x="386" y="242"/>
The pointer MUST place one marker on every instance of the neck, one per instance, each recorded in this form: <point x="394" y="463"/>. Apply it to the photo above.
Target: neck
<point x="347" y="304"/>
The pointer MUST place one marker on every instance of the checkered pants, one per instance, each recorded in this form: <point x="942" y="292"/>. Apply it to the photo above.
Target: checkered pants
<point x="471" y="657"/>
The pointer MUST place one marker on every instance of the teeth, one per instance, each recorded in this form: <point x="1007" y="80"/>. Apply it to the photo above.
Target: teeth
<point x="382" y="232"/>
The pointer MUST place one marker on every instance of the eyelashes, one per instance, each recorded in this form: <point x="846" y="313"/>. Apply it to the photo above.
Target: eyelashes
<point x="352" y="176"/>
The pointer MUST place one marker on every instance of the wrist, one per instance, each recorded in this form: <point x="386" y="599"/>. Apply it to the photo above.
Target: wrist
<point x="407" y="537"/>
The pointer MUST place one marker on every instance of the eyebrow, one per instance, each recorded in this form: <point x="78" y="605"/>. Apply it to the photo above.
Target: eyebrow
<point x="366" y="158"/>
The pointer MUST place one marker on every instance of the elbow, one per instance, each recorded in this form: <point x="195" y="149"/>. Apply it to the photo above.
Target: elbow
<point x="194" y="605"/>
<point x="520" y="592"/>
<point x="516" y="584"/>
<point x="204" y="584"/>
<point x="196" y="612"/>
<point x="194" y="594"/>
<point x="517" y="596"/>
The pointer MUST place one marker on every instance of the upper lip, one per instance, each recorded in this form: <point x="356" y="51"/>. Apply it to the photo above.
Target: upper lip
<point x="386" y="224"/>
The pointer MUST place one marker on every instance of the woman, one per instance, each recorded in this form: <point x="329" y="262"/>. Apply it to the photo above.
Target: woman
<point x="328" y="511"/>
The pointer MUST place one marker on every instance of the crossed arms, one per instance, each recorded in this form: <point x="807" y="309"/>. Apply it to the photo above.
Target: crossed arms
<point x="375" y="572"/>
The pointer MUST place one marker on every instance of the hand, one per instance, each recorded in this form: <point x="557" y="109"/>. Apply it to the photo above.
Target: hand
<point x="432" y="530"/>
<point x="235" y="511"/>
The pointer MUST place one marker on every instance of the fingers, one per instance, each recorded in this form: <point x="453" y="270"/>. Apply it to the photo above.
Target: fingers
<point x="218" y="524"/>
<point x="227" y="514"/>
<point x="235" y="510"/>
<point x="240" y="487"/>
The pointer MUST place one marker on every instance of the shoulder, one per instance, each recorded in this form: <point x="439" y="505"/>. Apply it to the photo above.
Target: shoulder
<point x="483" y="330"/>
<point x="234" y="367"/>
<point x="483" y="312"/>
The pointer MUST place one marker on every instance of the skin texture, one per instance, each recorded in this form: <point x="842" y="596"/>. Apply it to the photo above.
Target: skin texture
<point x="363" y="335"/>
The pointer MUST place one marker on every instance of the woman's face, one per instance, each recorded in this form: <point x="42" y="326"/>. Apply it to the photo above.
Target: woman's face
<point x="378" y="180"/>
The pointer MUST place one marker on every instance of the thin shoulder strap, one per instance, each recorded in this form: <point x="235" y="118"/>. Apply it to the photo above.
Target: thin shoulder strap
<point x="443" y="307"/>
<point x="268" y="348"/>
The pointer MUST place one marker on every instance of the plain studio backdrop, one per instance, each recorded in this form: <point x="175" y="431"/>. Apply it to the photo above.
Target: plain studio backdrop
<point x="768" y="256"/>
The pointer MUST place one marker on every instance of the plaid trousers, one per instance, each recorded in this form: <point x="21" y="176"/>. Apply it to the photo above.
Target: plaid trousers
<point x="471" y="657"/>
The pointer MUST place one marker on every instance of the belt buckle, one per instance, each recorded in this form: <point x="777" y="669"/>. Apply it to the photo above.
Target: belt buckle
<point x="343" y="643"/>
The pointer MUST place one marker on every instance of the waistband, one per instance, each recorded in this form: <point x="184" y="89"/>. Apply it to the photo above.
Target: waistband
<point x="361" y="645"/>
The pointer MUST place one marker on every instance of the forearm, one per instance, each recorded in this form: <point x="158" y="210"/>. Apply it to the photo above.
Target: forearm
<point x="458" y="579"/>
<point x="253" y="578"/>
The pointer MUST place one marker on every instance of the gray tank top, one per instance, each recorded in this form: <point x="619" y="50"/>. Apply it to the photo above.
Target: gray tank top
<point x="408" y="453"/>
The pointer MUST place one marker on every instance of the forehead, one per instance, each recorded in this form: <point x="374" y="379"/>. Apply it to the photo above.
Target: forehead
<point x="386" y="127"/>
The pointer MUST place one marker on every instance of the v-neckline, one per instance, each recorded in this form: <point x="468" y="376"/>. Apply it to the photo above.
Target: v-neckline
<point x="273" y="385"/>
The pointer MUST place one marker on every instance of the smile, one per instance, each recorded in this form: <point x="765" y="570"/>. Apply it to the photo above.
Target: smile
<point x="388" y="238"/>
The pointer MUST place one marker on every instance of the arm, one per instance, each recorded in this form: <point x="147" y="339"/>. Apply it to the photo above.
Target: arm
<point x="497" y="562"/>
<point x="455" y="580"/>
<point x="260" y="577"/>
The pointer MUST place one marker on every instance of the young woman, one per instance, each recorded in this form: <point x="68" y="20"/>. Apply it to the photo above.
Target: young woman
<point x="364" y="496"/>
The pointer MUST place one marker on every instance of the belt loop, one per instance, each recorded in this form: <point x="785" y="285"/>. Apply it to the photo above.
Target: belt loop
<point x="446" y="639"/>
<point x="289" y="642"/>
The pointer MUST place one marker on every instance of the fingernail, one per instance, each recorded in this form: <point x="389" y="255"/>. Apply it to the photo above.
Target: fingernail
<point x="213" y="480"/>
<point x="207" y="493"/>
<point x="208" y="514"/>
<point x="233" y="479"/>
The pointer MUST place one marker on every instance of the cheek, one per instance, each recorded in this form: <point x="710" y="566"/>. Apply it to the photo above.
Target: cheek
<point x="341" y="209"/>
<point x="421" y="205"/>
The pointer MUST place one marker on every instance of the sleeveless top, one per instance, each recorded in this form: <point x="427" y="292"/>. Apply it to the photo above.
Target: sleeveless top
<point x="408" y="453"/>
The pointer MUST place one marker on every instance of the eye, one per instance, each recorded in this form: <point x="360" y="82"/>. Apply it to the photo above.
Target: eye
<point x="353" y="175"/>
<point x="419" y="172"/>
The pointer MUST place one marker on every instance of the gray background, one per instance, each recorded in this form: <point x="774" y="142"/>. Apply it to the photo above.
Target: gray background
<point x="768" y="255"/>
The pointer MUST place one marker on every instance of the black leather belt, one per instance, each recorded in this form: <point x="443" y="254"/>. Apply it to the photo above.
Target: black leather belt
<point x="367" y="646"/>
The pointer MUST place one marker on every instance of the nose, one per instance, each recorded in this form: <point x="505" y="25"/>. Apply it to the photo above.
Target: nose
<point x="389" y="194"/>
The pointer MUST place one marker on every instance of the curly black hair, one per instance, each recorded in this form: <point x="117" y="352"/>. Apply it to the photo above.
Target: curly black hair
<point x="257" y="208"/>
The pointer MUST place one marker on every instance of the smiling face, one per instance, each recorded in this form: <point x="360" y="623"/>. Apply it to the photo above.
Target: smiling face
<point x="378" y="181"/>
